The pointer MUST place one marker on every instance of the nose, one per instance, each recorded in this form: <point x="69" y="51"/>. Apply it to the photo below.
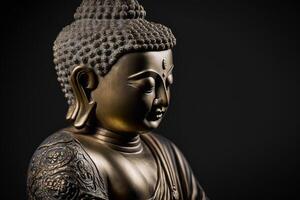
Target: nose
<point x="162" y="98"/>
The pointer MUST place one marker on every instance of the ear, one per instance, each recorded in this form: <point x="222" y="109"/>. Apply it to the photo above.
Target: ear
<point x="83" y="80"/>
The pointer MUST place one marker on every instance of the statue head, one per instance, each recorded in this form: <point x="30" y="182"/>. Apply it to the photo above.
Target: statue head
<point x="114" y="66"/>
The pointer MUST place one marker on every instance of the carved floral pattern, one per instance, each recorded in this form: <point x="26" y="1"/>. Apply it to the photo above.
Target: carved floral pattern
<point x="61" y="169"/>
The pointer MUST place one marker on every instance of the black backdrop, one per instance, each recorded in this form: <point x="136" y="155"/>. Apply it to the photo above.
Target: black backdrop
<point x="233" y="111"/>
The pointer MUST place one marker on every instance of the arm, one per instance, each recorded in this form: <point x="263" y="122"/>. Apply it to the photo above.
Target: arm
<point x="61" y="169"/>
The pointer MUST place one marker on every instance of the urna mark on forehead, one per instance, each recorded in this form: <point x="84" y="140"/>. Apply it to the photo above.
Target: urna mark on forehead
<point x="134" y="64"/>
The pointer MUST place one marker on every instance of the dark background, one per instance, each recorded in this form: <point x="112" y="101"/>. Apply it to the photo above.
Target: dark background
<point x="233" y="110"/>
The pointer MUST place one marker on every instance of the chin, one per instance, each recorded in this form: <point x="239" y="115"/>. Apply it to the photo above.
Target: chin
<point x="150" y="125"/>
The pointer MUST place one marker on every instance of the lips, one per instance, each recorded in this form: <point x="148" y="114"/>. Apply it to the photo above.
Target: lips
<point x="156" y="114"/>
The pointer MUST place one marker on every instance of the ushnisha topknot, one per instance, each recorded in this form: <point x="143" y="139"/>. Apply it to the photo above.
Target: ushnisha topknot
<point x="102" y="32"/>
<point x="110" y="9"/>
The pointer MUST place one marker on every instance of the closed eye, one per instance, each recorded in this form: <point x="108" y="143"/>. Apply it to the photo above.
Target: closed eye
<point x="146" y="85"/>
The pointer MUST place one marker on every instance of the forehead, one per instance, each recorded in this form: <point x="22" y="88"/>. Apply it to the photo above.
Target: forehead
<point x="157" y="61"/>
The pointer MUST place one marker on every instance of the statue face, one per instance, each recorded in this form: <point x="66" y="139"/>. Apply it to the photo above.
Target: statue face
<point x="135" y="94"/>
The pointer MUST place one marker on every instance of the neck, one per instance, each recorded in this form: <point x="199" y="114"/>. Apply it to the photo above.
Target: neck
<point x="124" y="142"/>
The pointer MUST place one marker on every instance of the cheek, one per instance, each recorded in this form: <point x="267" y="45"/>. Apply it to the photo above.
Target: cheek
<point x="126" y="103"/>
<point x="126" y="113"/>
<point x="147" y="101"/>
<point x="138" y="104"/>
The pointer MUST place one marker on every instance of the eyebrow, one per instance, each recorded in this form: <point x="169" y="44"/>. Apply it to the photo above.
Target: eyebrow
<point x="171" y="68"/>
<point x="147" y="72"/>
<point x="143" y="74"/>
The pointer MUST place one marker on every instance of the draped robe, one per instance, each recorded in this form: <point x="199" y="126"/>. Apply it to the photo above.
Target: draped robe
<point x="176" y="179"/>
<point x="63" y="168"/>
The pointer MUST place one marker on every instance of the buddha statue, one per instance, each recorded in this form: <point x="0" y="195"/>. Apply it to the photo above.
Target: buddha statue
<point x="115" y="69"/>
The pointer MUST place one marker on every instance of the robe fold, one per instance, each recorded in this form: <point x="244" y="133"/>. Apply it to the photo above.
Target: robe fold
<point x="176" y="180"/>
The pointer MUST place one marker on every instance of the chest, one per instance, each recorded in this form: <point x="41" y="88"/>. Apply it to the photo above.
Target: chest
<point x="131" y="176"/>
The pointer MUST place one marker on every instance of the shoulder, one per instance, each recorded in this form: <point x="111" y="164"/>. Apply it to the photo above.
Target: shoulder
<point x="167" y="146"/>
<point x="61" y="169"/>
<point x="164" y="146"/>
<point x="160" y="140"/>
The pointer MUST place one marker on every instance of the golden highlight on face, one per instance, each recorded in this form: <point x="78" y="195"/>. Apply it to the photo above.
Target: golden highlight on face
<point x="135" y="94"/>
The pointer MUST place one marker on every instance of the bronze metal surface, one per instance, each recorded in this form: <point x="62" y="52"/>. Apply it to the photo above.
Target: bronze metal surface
<point x="110" y="151"/>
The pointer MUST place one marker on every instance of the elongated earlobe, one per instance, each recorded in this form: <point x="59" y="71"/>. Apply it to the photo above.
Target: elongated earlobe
<point x="82" y="80"/>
